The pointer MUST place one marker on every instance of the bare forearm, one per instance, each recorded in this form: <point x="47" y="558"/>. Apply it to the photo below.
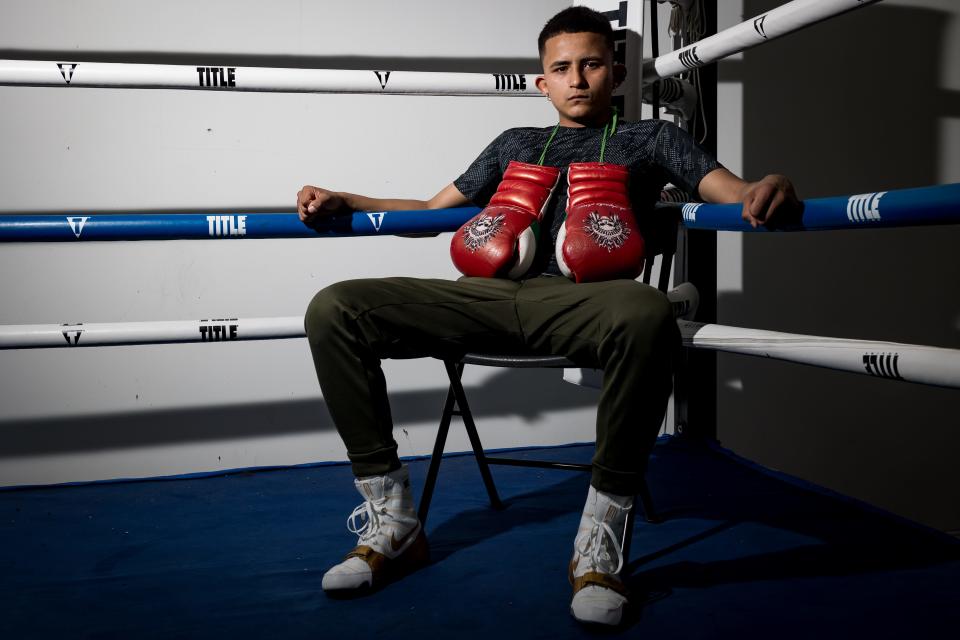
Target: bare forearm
<point x="447" y="197"/>
<point x="313" y="201"/>
<point x="720" y="186"/>
<point x="364" y="203"/>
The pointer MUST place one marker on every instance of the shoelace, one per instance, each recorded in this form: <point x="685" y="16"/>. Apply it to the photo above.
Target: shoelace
<point x="368" y="516"/>
<point x="590" y="544"/>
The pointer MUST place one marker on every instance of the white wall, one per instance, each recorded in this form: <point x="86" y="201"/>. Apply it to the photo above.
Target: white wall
<point x="868" y="101"/>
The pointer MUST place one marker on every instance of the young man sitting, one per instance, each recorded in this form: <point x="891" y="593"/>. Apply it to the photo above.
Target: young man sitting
<point x="544" y="274"/>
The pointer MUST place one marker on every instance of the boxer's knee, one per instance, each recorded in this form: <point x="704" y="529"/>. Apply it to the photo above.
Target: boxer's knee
<point x="641" y="311"/>
<point x="640" y="325"/>
<point x="332" y="307"/>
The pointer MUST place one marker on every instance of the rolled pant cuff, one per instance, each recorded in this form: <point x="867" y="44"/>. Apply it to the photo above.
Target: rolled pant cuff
<point x="618" y="483"/>
<point x="379" y="462"/>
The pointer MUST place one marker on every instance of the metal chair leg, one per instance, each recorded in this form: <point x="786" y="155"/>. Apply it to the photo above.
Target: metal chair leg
<point x="649" y="513"/>
<point x="643" y="496"/>
<point x="454" y="372"/>
<point x="438" y="446"/>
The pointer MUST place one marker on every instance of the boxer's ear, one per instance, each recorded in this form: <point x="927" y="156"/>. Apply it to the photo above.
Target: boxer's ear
<point x="541" y="83"/>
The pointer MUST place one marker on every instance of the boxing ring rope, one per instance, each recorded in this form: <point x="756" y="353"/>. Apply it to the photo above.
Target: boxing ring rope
<point x="121" y="75"/>
<point x="99" y="334"/>
<point x="203" y="226"/>
<point x="893" y="360"/>
<point x="896" y="361"/>
<point x="785" y="19"/>
<point x="938" y="204"/>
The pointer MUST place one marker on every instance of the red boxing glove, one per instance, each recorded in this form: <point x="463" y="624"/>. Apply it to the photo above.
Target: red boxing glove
<point x="501" y="240"/>
<point x="599" y="239"/>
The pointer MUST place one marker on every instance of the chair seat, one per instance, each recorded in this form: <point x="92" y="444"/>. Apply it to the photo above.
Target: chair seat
<point x="514" y="360"/>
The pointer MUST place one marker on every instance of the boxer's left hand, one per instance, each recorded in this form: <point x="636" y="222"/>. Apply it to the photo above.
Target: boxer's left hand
<point x="770" y="201"/>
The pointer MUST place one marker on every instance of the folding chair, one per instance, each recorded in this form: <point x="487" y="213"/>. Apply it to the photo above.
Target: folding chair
<point x="666" y="227"/>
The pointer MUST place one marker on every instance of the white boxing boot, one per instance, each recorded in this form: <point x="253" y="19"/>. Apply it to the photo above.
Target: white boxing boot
<point x="390" y="539"/>
<point x="599" y="596"/>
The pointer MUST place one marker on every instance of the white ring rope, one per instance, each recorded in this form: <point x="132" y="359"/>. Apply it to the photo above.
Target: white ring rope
<point x="896" y="361"/>
<point x="98" y="334"/>
<point x="230" y="78"/>
<point x="785" y="19"/>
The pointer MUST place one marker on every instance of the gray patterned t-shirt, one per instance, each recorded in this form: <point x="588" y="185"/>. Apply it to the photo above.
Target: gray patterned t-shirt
<point x="657" y="152"/>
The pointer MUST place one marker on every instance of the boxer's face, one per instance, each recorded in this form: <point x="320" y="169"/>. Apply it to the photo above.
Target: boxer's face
<point x="579" y="77"/>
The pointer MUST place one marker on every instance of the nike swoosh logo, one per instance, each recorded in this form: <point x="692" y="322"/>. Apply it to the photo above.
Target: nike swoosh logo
<point x="396" y="545"/>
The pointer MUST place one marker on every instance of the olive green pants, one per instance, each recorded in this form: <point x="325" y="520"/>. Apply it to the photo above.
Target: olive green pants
<point x="624" y="327"/>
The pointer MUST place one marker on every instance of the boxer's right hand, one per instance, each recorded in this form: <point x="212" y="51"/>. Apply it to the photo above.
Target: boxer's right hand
<point x="313" y="201"/>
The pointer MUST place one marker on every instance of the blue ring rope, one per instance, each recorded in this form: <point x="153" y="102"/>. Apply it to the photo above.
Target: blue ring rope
<point x="201" y="226"/>
<point x="901" y="208"/>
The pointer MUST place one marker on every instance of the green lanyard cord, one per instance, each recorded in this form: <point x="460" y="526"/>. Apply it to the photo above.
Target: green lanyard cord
<point x="608" y="131"/>
<point x="611" y="127"/>
<point x="543" y="156"/>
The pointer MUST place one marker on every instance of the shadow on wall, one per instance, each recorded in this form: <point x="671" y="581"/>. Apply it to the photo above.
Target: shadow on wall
<point x="849" y="106"/>
<point x="496" y="397"/>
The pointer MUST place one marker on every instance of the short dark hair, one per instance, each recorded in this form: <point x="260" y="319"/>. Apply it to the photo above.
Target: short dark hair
<point x="576" y="20"/>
